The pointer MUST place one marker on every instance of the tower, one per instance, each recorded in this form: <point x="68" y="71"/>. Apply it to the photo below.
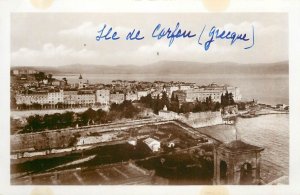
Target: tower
<point x="237" y="162"/>
<point x="80" y="82"/>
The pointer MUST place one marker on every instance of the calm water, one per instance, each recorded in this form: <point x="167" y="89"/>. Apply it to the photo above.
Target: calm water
<point x="271" y="89"/>
<point x="272" y="133"/>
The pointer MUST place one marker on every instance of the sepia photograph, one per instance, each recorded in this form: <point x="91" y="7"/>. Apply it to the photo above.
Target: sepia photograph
<point x="149" y="99"/>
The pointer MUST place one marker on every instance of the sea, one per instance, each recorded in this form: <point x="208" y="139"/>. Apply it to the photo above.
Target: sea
<point x="269" y="89"/>
<point x="272" y="133"/>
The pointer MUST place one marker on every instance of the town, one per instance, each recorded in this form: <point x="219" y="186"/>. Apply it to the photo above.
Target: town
<point x="130" y="132"/>
<point x="36" y="90"/>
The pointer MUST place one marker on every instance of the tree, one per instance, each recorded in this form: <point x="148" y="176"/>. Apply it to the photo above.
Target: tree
<point x="101" y="116"/>
<point x="227" y="99"/>
<point x="222" y="99"/>
<point x="50" y="78"/>
<point x="65" y="80"/>
<point x="88" y="115"/>
<point x="174" y="104"/>
<point x="34" y="123"/>
<point x="186" y="107"/>
<point x="56" y="120"/>
<point x="40" y="76"/>
<point x="156" y="105"/>
<point x="209" y="103"/>
<point x="172" y="97"/>
<point x="165" y="100"/>
<point x="147" y="100"/>
<point x="217" y="106"/>
<point x="230" y="99"/>
<point x="67" y="119"/>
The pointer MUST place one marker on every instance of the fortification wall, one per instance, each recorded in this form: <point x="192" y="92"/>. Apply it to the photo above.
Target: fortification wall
<point x="42" y="141"/>
<point x="201" y="119"/>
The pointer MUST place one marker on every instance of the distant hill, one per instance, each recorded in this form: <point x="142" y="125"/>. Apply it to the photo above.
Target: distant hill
<point x="172" y="67"/>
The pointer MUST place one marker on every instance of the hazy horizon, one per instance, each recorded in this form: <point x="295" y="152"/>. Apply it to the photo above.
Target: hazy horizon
<point x="147" y="64"/>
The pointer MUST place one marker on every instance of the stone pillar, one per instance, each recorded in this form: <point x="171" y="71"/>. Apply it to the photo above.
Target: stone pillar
<point x="215" y="179"/>
<point x="237" y="173"/>
<point x="218" y="170"/>
<point x="257" y="175"/>
<point x="230" y="172"/>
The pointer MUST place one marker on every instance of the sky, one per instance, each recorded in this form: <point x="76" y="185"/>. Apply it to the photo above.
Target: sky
<point x="56" y="39"/>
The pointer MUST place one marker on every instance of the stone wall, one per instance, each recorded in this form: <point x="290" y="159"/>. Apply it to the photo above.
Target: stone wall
<point x="201" y="119"/>
<point x="42" y="141"/>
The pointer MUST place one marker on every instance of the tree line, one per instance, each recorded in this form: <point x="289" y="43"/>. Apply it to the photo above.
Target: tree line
<point x="173" y="104"/>
<point x="39" y="123"/>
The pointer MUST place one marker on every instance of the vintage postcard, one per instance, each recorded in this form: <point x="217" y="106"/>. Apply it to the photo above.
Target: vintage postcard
<point x="151" y="99"/>
<point x="110" y="99"/>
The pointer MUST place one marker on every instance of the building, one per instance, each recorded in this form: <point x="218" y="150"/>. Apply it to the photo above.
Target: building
<point x="181" y="95"/>
<point x="74" y="98"/>
<point x="53" y="98"/>
<point x="56" y="97"/>
<point x="85" y="99"/>
<point x="184" y="87"/>
<point x="59" y="83"/>
<point x="131" y="96"/>
<point x="230" y="89"/>
<point x="236" y="163"/>
<point x="153" y="144"/>
<point x="117" y="98"/>
<point x="132" y="141"/>
<point x="213" y="90"/>
<point x="56" y="82"/>
<point x="23" y="71"/>
<point x="171" y="89"/>
<point x="38" y="98"/>
<point x="156" y="93"/>
<point x="202" y="93"/>
<point x="70" y="97"/>
<point x="102" y="96"/>
<point x="142" y="94"/>
<point x="80" y="82"/>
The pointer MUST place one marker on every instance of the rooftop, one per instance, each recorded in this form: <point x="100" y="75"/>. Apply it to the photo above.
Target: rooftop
<point x="115" y="174"/>
<point x="240" y="146"/>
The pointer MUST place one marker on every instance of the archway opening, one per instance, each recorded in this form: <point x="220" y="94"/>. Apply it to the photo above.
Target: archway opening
<point x="223" y="172"/>
<point x="246" y="174"/>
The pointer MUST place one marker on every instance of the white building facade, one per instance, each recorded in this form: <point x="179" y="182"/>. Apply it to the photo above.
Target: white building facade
<point x="103" y="96"/>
